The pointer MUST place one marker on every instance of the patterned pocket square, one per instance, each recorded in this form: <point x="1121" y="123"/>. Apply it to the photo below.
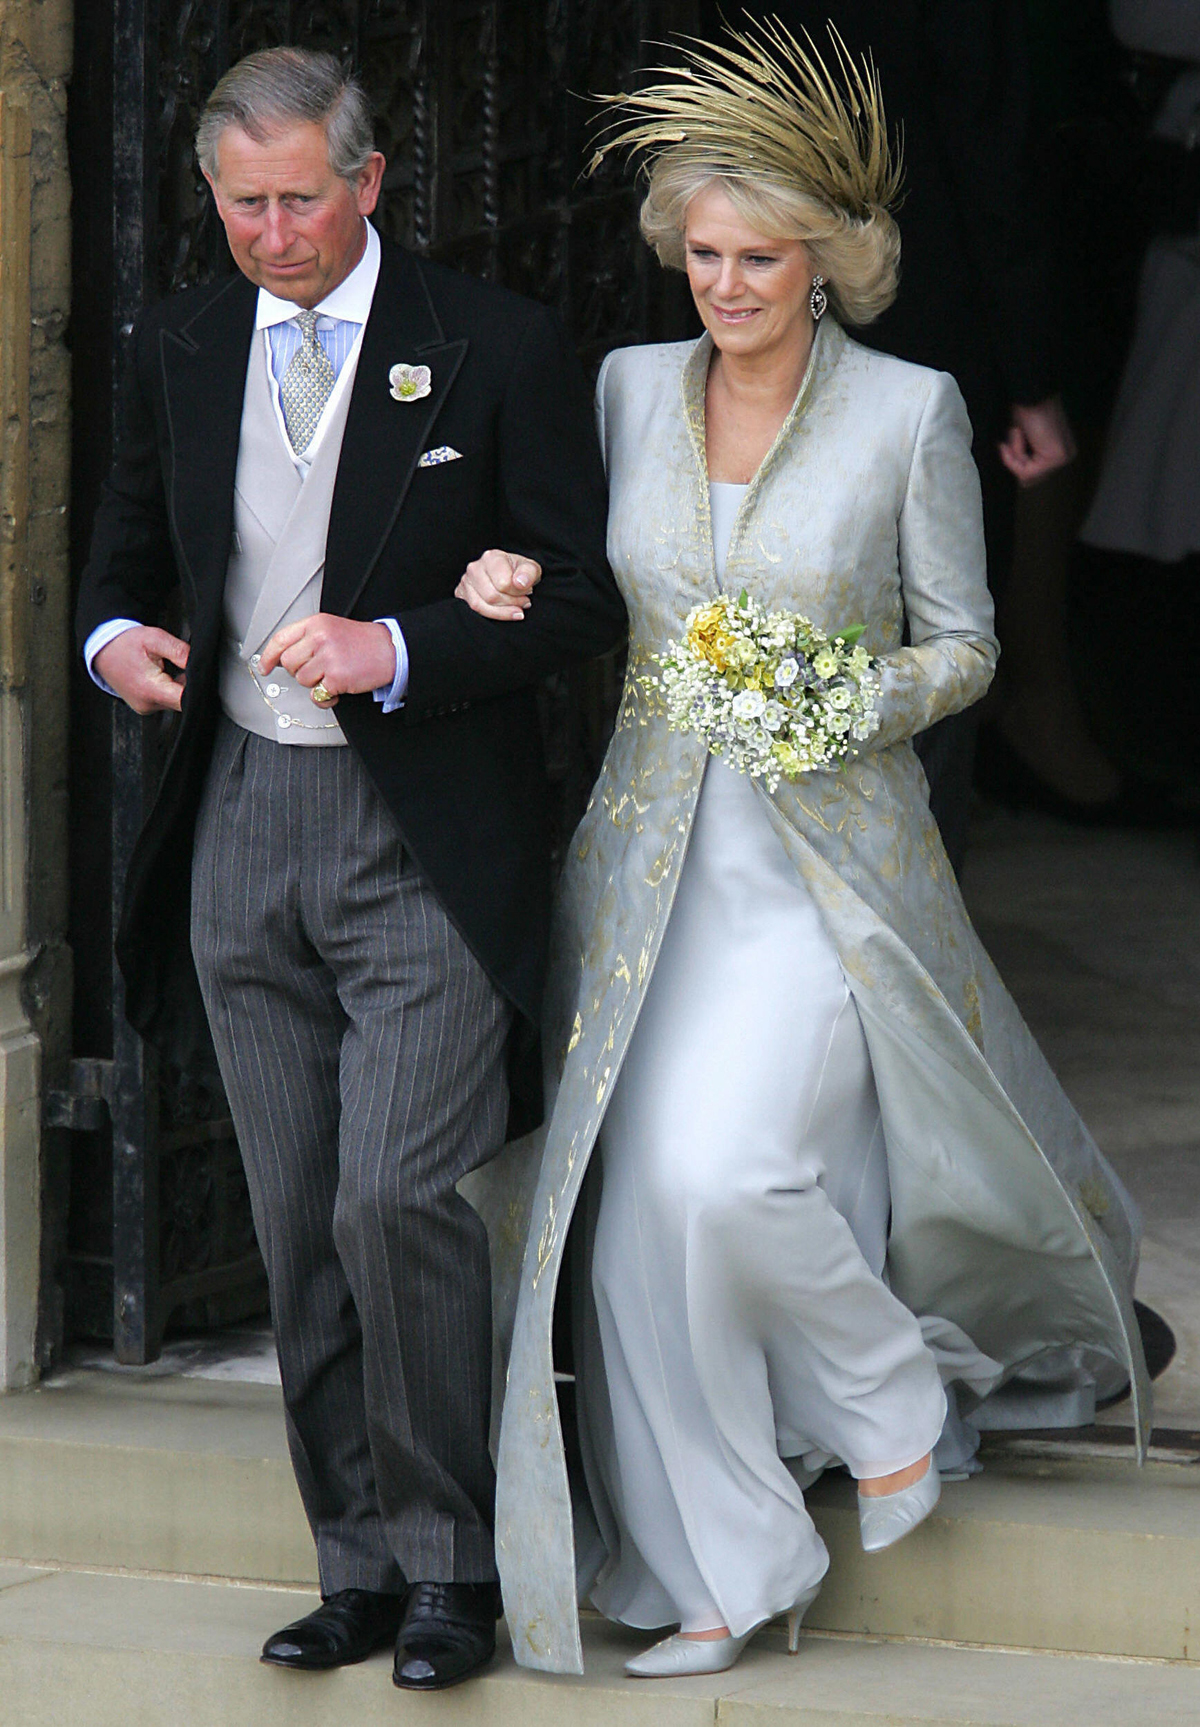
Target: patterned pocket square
<point x="443" y="453"/>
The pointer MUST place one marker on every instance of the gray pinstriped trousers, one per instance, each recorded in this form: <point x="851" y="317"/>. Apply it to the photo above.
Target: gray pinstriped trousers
<point x="362" y="1049"/>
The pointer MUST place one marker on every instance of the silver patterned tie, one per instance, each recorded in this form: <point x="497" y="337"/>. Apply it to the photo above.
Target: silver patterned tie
<point x="307" y="385"/>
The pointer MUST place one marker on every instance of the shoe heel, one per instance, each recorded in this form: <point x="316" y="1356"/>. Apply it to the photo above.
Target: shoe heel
<point x="796" y="1614"/>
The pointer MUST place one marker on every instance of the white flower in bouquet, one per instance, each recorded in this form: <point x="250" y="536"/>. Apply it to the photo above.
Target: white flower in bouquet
<point x="768" y="691"/>
<point x="748" y="705"/>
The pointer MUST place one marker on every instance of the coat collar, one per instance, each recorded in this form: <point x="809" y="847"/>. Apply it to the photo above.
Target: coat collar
<point x="204" y="365"/>
<point x="204" y="380"/>
<point x="829" y="342"/>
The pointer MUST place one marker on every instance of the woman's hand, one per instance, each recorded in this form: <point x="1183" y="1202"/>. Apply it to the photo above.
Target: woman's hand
<point x="498" y="585"/>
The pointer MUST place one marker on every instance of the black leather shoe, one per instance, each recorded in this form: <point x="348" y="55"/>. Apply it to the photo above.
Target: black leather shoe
<point x="345" y="1628"/>
<point x="448" y="1633"/>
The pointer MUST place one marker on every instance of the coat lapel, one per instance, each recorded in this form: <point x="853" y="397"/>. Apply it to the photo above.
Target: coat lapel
<point x="204" y="380"/>
<point x="384" y="439"/>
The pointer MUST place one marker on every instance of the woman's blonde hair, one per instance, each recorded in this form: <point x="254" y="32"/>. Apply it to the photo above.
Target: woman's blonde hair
<point x="859" y="256"/>
<point x="800" y="147"/>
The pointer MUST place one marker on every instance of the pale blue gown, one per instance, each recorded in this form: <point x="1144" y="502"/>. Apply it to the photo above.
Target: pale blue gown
<point x="742" y="1335"/>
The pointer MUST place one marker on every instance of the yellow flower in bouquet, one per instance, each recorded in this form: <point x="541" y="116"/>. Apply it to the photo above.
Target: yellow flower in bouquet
<point x="708" y="637"/>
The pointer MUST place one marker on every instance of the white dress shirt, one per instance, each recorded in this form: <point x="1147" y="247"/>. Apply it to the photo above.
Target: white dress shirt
<point x="341" y="316"/>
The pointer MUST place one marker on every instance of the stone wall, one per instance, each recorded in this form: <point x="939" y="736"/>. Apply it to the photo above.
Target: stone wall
<point x="35" y="63"/>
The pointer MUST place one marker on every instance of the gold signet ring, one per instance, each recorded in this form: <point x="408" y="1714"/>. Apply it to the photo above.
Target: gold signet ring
<point x="324" y="698"/>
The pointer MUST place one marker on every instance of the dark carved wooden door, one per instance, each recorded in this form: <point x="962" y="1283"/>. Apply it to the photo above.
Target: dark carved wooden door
<point x="481" y="116"/>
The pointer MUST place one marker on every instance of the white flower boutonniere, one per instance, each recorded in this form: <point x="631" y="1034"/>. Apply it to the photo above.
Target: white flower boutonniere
<point x="410" y="383"/>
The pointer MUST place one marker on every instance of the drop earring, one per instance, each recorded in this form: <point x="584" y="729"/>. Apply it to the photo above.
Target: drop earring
<point x="818" y="299"/>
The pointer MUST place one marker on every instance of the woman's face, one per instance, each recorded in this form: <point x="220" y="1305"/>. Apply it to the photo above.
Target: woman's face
<point x="751" y="291"/>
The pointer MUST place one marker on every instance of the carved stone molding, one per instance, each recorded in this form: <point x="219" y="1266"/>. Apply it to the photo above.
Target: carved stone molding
<point x="35" y="38"/>
<point x="19" y="1047"/>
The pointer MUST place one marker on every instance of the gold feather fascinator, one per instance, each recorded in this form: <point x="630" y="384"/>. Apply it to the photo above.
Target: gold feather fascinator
<point x="762" y="106"/>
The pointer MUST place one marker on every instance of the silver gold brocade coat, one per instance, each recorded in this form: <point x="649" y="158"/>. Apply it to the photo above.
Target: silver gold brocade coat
<point x="1006" y="1219"/>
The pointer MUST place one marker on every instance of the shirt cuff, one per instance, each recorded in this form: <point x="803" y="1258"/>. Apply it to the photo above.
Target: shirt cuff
<point x="100" y="638"/>
<point x="392" y="695"/>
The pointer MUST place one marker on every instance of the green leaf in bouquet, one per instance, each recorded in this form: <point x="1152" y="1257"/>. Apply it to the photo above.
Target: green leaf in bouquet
<point x="851" y="635"/>
<point x="744" y="600"/>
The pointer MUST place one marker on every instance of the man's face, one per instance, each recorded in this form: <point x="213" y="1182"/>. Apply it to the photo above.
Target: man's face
<point x="294" y="226"/>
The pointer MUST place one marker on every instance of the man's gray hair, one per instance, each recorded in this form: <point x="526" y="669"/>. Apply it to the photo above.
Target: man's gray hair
<point x="280" y="87"/>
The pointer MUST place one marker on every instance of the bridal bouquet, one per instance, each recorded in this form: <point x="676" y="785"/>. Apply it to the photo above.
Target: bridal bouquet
<point x="768" y="691"/>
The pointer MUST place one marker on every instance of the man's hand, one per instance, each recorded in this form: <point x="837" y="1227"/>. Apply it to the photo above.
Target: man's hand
<point x="1039" y="440"/>
<point x="498" y="585"/>
<point x="349" y="658"/>
<point x="134" y="664"/>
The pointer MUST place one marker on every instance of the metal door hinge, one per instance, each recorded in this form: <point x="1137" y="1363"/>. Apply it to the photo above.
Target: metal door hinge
<point x="83" y="1103"/>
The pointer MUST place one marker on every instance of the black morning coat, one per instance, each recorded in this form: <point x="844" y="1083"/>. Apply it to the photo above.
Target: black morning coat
<point x="460" y="765"/>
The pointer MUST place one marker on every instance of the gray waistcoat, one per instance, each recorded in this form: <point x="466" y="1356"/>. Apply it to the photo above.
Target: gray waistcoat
<point x="277" y="563"/>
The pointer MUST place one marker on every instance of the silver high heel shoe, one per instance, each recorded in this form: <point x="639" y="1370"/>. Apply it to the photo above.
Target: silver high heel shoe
<point x="679" y="1656"/>
<point x="888" y="1517"/>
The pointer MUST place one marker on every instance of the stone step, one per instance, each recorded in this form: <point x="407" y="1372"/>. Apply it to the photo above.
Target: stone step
<point x="186" y="1476"/>
<point x="1051" y="1548"/>
<point x="121" y="1651"/>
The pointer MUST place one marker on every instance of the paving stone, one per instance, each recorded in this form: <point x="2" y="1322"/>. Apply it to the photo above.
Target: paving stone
<point x="130" y="1652"/>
